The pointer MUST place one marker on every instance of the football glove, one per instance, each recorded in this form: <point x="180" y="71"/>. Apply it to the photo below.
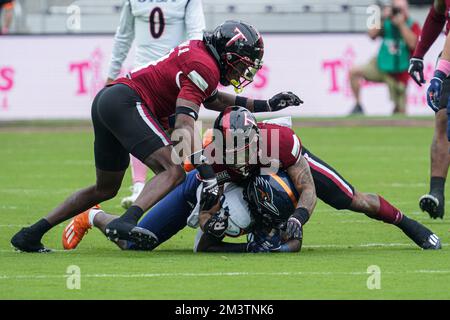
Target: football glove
<point x="283" y="100"/>
<point x="435" y="89"/>
<point x="261" y="241"/>
<point x="210" y="194"/>
<point x="415" y="70"/>
<point x="294" y="229"/>
<point x="217" y="225"/>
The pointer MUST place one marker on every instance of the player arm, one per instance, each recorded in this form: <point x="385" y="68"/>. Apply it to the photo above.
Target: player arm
<point x="194" y="20"/>
<point x="432" y="28"/>
<point x="219" y="100"/>
<point x="443" y="67"/>
<point x="122" y="41"/>
<point x="208" y="243"/>
<point x="301" y="176"/>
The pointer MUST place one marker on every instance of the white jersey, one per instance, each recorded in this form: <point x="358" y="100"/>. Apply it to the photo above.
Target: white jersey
<point x="157" y="26"/>
<point x="232" y="202"/>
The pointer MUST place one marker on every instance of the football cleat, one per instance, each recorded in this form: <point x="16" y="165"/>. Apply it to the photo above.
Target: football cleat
<point x="76" y="229"/>
<point x="136" y="190"/>
<point x="26" y="241"/>
<point x="432" y="243"/>
<point x="143" y="239"/>
<point x="433" y="205"/>
<point x="421" y="235"/>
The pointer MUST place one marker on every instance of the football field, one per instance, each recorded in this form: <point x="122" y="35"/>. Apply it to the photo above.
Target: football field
<point x="41" y="166"/>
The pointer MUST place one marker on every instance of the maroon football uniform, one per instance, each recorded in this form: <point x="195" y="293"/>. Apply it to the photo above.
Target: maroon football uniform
<point x="188" y="72"/>
<point x="284" y="143"/>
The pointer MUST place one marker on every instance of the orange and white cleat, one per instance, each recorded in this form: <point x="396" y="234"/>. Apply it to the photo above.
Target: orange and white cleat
<point x="76" y="229"/>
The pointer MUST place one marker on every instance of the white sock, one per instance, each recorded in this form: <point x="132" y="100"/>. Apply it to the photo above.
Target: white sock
<point x="92" y="213"/>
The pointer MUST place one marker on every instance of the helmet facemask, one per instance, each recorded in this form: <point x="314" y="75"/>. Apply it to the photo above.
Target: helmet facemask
<point x="241" y="71"/>
<point x="241" y="149"/>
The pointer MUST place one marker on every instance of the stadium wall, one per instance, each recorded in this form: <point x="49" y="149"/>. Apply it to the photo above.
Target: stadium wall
<point x="56" y="77"/>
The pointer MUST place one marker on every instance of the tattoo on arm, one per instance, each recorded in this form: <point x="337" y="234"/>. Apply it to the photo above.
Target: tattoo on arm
<point x="300" y="174"/>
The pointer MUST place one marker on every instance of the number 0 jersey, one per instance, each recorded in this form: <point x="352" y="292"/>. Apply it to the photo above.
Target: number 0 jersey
<point x="157" y="26"/>
<point x="189" y="72"/>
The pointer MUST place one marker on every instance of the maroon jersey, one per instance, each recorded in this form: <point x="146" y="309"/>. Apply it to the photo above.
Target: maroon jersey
<point x="447" y="16"/>
<point x="188" y="72"/>
<point x="282" y="140"/>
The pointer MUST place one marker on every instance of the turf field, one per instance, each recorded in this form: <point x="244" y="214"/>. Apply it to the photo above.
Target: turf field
<point x="39" y="168"/>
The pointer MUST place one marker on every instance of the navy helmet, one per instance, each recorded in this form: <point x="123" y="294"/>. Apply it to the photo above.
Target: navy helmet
<point x="272" y="198"/>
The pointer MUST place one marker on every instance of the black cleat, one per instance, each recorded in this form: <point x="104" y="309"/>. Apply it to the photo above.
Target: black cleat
<point x="144" y="239"/>
<point x="432" y="243"/>
<point x="26" y="241"/>
<point x="119" y="229"/>
<point x="433" y="205"/>
<point x="421" y="235"/>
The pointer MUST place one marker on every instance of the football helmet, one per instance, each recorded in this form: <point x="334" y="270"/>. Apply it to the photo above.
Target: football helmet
<point x="236" y="135"/>
<point x="238" y="49"/>
<point x="272" y="198"/>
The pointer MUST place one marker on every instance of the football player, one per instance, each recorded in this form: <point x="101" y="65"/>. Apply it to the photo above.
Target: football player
<point x="182" y="207"/>
<point x="271" y="200"/>
<point x="329" y="185"/>
<point x="438" y="99"/>
<point x="126" y="118"/>
<point x="157" y="27"/>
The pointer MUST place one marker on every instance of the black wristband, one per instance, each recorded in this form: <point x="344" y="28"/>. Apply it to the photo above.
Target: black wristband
<point x="301" y="214"/>
<point x="206" y="171"/>
<point x="187" y="111"/>
<point x="241" y="101"/>
<point x="260" y="106"/>
<point x="212" y="97"/>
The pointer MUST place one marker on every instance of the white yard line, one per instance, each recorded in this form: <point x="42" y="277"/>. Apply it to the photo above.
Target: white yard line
<point x="309" y="246"/>
<point x="215" y="274"/>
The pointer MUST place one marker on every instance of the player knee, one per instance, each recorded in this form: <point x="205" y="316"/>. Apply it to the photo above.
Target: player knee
<point x="365" y="203"/>
<point x="104" y="194"/>
<point x="177" y="174"/>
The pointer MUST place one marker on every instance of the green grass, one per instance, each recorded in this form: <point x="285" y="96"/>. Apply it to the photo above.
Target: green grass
<point x="39" y="169"/>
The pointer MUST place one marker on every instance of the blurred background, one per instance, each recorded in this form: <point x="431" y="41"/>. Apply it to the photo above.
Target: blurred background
<point x="101" y="16"/>
<point x="54" y="55"/>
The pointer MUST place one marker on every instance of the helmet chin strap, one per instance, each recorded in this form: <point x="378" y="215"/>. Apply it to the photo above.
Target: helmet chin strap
<point x="235" y="84"/>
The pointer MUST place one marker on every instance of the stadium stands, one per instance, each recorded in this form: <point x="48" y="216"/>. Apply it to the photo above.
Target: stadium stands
<point x="99" y="16"/>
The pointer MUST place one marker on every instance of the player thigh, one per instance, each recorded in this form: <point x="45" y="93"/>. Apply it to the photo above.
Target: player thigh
<point x="331" y="187"/>
<point x="110" y="155"/>
<point x="131" y="122"/>
<point x="170" y="214"/>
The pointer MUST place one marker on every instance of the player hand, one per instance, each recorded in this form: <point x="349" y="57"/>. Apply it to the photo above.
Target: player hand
<point x="283" y="100"/>
<point x="261" y="241"/>
<point x="217" y="225"/>
<point x="294" y="229"/>
<point x="415" y="70"/>
<point x="210" y="194"/>
<point x="434" y="90"/>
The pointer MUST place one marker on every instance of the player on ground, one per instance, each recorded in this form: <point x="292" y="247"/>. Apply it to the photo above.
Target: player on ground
<point x="181" y="207"/>
<point x="434" y="201"/>
<point x="330" y="187"/>
<point x="157" y="27"/>
<point x="126" y="117"/>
